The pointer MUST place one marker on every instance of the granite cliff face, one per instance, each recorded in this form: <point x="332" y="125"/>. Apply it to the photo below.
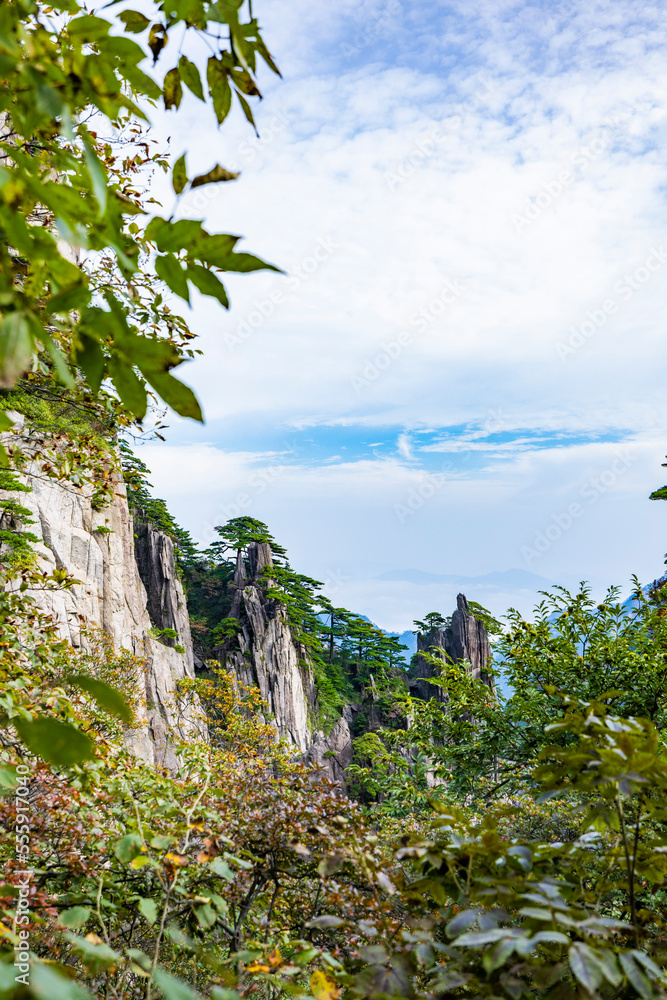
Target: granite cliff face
<point x="265" y="653"/>
<point x="127" y="585"/>
<point x="97" y="548"/>
<point x="464" y="640"/>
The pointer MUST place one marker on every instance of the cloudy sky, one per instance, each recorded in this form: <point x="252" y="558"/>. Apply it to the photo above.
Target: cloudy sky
<point x="462" y="370"/>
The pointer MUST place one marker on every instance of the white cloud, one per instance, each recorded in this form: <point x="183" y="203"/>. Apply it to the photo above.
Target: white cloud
<point x="423" y="302"/>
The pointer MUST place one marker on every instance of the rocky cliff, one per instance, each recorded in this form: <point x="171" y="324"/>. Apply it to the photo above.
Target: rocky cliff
<point x="465" y="640"/>
<point x="265" y="653"/>
<point x="128" y="586"/>
<point x="97" y="548"/>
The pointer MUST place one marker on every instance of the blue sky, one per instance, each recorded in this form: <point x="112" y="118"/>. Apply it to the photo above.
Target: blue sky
<point x="461" y="371"/>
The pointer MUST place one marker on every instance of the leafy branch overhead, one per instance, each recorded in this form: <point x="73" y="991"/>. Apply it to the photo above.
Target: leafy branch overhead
<point x="71" y="78"/>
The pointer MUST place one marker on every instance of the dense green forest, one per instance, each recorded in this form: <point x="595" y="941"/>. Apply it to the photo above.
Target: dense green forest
<point x="499" y="841"/>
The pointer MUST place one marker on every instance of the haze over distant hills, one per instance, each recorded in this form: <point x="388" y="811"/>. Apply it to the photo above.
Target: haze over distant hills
<point x="497" y="591"/>
<point x="510" y="579"/>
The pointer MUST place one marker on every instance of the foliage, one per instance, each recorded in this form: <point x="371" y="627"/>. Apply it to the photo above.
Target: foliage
<point x="433" y="620"/>
<point x="486" y="741"/>
<point x="73" y="91"/>
<point x="228" y="876"/>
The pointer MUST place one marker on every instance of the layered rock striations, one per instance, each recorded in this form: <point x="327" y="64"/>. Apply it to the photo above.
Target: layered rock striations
<point x="127" y="585"/>
<point x="264" y="652"/>
<point x="465" y="640"/>
<point x="97" y="548"/>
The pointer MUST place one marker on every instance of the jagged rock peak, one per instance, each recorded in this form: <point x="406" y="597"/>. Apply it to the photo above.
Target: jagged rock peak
<point x="465" y="639"/>
<point x="265" y="653"/>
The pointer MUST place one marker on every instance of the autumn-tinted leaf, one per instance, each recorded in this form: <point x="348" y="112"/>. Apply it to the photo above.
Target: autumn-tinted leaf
<point x="179" y="177"/>
<point x="157" y="40"/>
<point x="214" y="176"/>
<point x="173" y="90"/>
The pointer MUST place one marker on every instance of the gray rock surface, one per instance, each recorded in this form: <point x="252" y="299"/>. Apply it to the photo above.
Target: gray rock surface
<point x="97" y="548"/>
<point x="166" y="604"/>
<point x="333" y="753"/>
<point x="265" y="652"/>
<point x="465" y="640"/>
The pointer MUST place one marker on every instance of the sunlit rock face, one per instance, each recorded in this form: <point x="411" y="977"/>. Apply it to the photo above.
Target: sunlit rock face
<point x="265" y="652"/>
<point x="465" y="640"/>
<point x="97" y="548"/>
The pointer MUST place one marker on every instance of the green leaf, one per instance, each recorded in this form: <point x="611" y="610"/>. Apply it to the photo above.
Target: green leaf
<point x="6" y="422"/>
<point x="131" y="390"/>
<point x="173" y="988"/>
<point x="108" y="698"/>
<point x="247" y="110"/>
<point x="221" y="868"/>
<point x="89" y="357"/>
<point x="16" y="348"/>
<point x="173" y="91"/>
<point x="77" y="297"/>
<point x="169" y="269"/>
<point x="8" y="777"/>
<point x="176" y="394"/>
<point x="190" y="77"/>
<point x="475" y="939"/>
<point x="245" y="263"/>
<point x="134" y="21"/>
<point x="55" y="741"/>
<point x="214" y="176"/>
<point x="496" y="956"/>
<point x="58" y="358"/>
<point x="179" y="177"/>
<point x="585" y="966"/>
<point x="638" y="979"/>
<point x="46" y="984"/>
<point x="96" y="957"/>
<point x="128" y="847"/>
<point x="219" y="88"/>
<point x="208" y="283"/>
<point x="75" y="916"/>
<point x="98" y="177"/>
<point x="206" y="916"/>
<point x="148" y="909"/>
<point x="179" y="235"/>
